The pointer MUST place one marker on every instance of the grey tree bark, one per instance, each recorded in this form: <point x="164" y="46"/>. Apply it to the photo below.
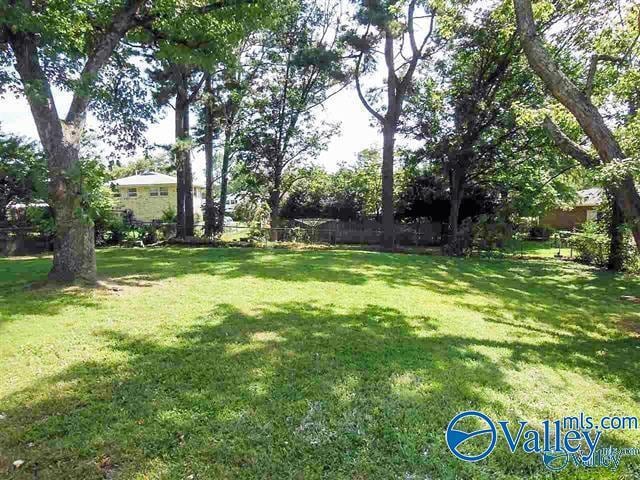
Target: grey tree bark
<point x="584" y="111"/>
<point x="209" y="208"/>
<point x="224" y="178"/>
<point x="74" y="248"/>
<point x="456" y="187"/>
<point x="184" y="200"/>
<point x="274" y="202"/>
<point x="180" y="108"/>
<point x="396" y="90"/>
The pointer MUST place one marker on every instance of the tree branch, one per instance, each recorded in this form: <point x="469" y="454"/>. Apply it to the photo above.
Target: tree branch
<point x="568" y="146"/>
<point x="593" y="68"/>
<point x="364" y="101"/>
<point x="37" y="90"/>
<point x="122" y="22"/>
<point x="220" y="4"/>
<point x="562" y="88"/>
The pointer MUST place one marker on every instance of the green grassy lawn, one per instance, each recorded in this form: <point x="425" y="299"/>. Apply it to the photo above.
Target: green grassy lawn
<point x="537" y="248"/>
<point x="256" y="364"/>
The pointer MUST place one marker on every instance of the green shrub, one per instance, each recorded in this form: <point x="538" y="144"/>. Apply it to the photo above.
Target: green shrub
<point x="169" y="215"/>
<point x="113" y="231"/>
<point x="133" y="235"/>
<point x="633" y="263"/>
<point x="591" y="248"/>
<point x="541" y="231"/>
<point x="491" y="234"/>
<point x="42" y="219"/>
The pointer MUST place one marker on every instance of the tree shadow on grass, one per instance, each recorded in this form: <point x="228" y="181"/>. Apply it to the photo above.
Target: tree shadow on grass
<point x="277" y="264"/>
<point x="288" y="391"/>
<point x="18" y="300"/>
<point x="559" y="295"/>
<point x="144" y="267"/>
<point x="546" y="296"/>
<point x="291" y="391"/>
<point x="549" y="296"/>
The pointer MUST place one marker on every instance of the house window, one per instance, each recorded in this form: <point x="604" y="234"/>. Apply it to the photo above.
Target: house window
<point x="132" y="192"/>
<point x="164" y="191"/>
<point x="116" y="194"/>
<point x="153" y="192"/>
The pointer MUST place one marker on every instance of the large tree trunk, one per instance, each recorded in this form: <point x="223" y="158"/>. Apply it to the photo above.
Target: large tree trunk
<point x="616" y="235"/>
<point x="181" y="107"/>
<point x="274" y="205"/>
<point x="209" y="208"/>
<point x="74" y="256"/>
<point x="185" y="220"/>
<point x="224" y="179"/>
<point x="456" y="187"/>
<point x="587" y="115"/>
<point x="189" y="222"/>
<point x="388" y="222"/>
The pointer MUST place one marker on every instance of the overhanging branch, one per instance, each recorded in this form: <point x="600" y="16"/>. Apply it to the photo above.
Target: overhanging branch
<point x="568" y="146"/>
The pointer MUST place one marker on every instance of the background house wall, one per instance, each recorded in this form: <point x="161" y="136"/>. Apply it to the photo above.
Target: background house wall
<point x="147" y="208"/>
<point x="567" y="219"/>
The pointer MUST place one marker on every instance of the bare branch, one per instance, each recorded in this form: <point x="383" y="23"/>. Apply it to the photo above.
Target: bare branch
<point x="593" y="68"/>
<point x="364" y="101"/>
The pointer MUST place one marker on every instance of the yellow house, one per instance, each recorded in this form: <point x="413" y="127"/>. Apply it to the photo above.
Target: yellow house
<point x="150" y="195"/>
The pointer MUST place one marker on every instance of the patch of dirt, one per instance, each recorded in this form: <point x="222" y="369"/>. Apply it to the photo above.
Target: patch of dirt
<point x="630" y="298"/>
<point x="5" y="465"/>
<point x="107" y="468"/>
<point x="630" y="325"/>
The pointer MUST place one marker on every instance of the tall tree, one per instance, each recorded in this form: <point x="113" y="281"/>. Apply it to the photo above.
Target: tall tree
<point x="34" y="31"/>
<point x="189" y="55"/>
<point x="70" y="44"/>
<point x="207" y="120"/>
<point x="280" y="133"/>
<point x="224" y="108"/>
<point x="579" y="102"/>
<point x="406" y="30"/>
<point x="474" y="128"/>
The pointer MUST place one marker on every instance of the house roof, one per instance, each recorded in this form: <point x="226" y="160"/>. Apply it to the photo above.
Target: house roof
<point x="591" y="197"/>
<point x="148" y="178"/>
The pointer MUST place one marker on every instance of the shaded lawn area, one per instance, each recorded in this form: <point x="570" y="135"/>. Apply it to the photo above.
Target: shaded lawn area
<point x="240" y="363"/>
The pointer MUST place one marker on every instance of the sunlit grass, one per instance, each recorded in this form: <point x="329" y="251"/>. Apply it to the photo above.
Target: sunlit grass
<point x="241" y="363"/>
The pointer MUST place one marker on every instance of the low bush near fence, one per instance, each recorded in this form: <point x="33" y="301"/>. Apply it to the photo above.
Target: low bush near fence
<point x="591" y="248"/>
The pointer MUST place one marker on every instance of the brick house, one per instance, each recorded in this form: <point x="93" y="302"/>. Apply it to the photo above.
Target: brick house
<point x="149" y="195"/>
<point x="586" y="208"/>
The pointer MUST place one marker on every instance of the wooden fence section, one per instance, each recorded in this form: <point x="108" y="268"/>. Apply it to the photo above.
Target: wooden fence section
<point x="16" y="241"/>
<point x="368" y="232"/>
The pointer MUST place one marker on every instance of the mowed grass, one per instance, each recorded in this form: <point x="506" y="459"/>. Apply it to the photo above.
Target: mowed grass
<point x="275" y="364"/>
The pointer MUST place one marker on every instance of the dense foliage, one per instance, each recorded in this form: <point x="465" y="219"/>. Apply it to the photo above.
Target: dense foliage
<point x="472" y="130"/>
<point x="23" y="174"/>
